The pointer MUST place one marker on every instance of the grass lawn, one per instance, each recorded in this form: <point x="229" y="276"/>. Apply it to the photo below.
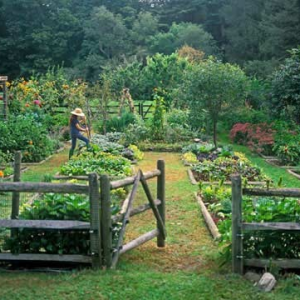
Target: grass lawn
<point x="275" y="173"/>
<point x="187" y="268"/>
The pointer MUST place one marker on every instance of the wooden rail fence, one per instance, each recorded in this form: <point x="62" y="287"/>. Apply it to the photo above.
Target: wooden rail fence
<point x="102" y="254"/>
<point x="238" y="226"/>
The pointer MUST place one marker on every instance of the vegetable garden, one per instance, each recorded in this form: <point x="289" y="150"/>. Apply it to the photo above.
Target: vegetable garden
<point x="61" y="224"/>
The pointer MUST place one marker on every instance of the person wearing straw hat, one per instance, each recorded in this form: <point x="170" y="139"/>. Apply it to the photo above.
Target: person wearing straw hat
<point x="76" y="129"/>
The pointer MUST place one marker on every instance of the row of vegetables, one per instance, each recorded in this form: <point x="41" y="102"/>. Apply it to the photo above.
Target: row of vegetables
<point x="211" y="168"/>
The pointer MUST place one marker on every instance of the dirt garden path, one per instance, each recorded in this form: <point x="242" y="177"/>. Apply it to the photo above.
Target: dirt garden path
<point x="188" y="238"/>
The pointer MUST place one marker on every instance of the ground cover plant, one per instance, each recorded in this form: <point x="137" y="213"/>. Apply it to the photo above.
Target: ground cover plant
<point x="99" y="162"/>
<point x="24" y="133"/>
<point x="256" y="244"/>
<point x="58" y="207"/>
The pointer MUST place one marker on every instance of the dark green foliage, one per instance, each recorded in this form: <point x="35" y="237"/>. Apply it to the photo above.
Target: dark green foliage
<point x="119" y="124"/>
<point x="52" y="207"/>
<point x="99" y="162"/>
<point x="223" y="168"/>
<point x="55" y="207"/>
<point x="24" y="133"/>
<point x="285" y="88"/>
<point x="268" y="244"/>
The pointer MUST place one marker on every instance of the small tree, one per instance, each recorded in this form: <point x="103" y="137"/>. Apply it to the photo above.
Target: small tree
<point x="214" y="87"/>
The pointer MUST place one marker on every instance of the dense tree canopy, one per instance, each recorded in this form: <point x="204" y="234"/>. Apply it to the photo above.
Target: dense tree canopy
<point x="89" y="36"/>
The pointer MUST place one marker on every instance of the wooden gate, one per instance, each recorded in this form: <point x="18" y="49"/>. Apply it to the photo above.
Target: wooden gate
<point x="102" y="253"/>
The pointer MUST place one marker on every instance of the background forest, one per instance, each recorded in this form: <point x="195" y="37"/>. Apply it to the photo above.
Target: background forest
<point x="89" y="36"/>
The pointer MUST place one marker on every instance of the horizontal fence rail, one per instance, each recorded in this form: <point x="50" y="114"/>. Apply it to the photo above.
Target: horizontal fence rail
<point x="45" y="224"/>
<point x="43" y="187"/>
<point x="272" y="192"/>
<point x="130" y="180"/>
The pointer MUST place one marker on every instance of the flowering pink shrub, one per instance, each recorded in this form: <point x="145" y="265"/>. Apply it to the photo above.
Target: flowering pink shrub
<point x="258" y="137"/>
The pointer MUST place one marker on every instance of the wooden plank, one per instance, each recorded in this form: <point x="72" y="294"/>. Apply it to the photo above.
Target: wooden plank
<point x="45" y="224"/>
<point x="208" y="219"/>
<point x="3" y="78"/>
<point x="281" y="263"/>
<point x="43" y="187"/>
<point x="140" y="240"/>
<point x="293" y="173"/>
<point x="135" y="211"/>
<point x="45" y="257"/>
<point x="130" y="180"/>
<point x="160" y="223"/>
<point x="161" y="195"/>
<point x="191" y="176"/>
<point x="125" y="220"/>
<point x="106" y="225"/>
<point x="272" y="192"/>
<point x="16" y="178"/>
<point x="95" y="231"/>
<point x="237" y="241"/>
<point x="61" y="177"/>
<point x="272" y="226"/>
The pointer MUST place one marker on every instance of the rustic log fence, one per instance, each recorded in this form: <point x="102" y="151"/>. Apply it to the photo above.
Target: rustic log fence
<point x="238" y="227"/>
<point x="102" y="254"/>
<point x="143" y="109"/>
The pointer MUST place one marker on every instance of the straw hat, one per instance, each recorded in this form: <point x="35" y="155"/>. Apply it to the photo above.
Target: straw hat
<point x="78" y="112"/>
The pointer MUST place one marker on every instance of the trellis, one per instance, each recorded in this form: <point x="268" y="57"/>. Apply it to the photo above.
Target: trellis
<point x="3" y="98"/>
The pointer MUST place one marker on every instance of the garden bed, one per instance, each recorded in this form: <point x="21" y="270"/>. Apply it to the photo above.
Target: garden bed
<point x="44" y="160"/>
<point x="194" y="181"/>
<point x="295" y="173"/>
<point x="277" y="163"/>
<point x="211" y="225"/>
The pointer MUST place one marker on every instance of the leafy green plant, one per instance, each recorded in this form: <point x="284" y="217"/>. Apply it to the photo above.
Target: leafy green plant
<point x="100" y="163"/>
<point x="119" y="124"/>
<point x="223" y="167"/>
<point x="157" y="124"/>
<point x="55" y="207"/>
<point x="24" y="133"/>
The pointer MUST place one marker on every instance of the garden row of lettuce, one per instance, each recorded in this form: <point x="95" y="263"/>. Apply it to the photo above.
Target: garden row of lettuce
<point x="209" y="164"/>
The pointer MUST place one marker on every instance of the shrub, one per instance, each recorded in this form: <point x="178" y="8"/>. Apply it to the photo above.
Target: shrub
<point x="119" y="124"/>
<point x="258" y="137"/>
<point x="24" y="133"/>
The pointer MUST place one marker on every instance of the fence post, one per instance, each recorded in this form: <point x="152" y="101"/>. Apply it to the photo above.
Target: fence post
<point x="237" y="237"/>
<point x="95" y="230"/>
<point x="106" y="225"/>
<point x="16" y="178"/>
<point x="161" y="196"/>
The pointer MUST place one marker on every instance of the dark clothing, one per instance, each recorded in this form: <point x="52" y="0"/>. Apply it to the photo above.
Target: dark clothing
<point x="80" y="137"/>
<point x="76" y="134"/>
<point x="73" y="129"/>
